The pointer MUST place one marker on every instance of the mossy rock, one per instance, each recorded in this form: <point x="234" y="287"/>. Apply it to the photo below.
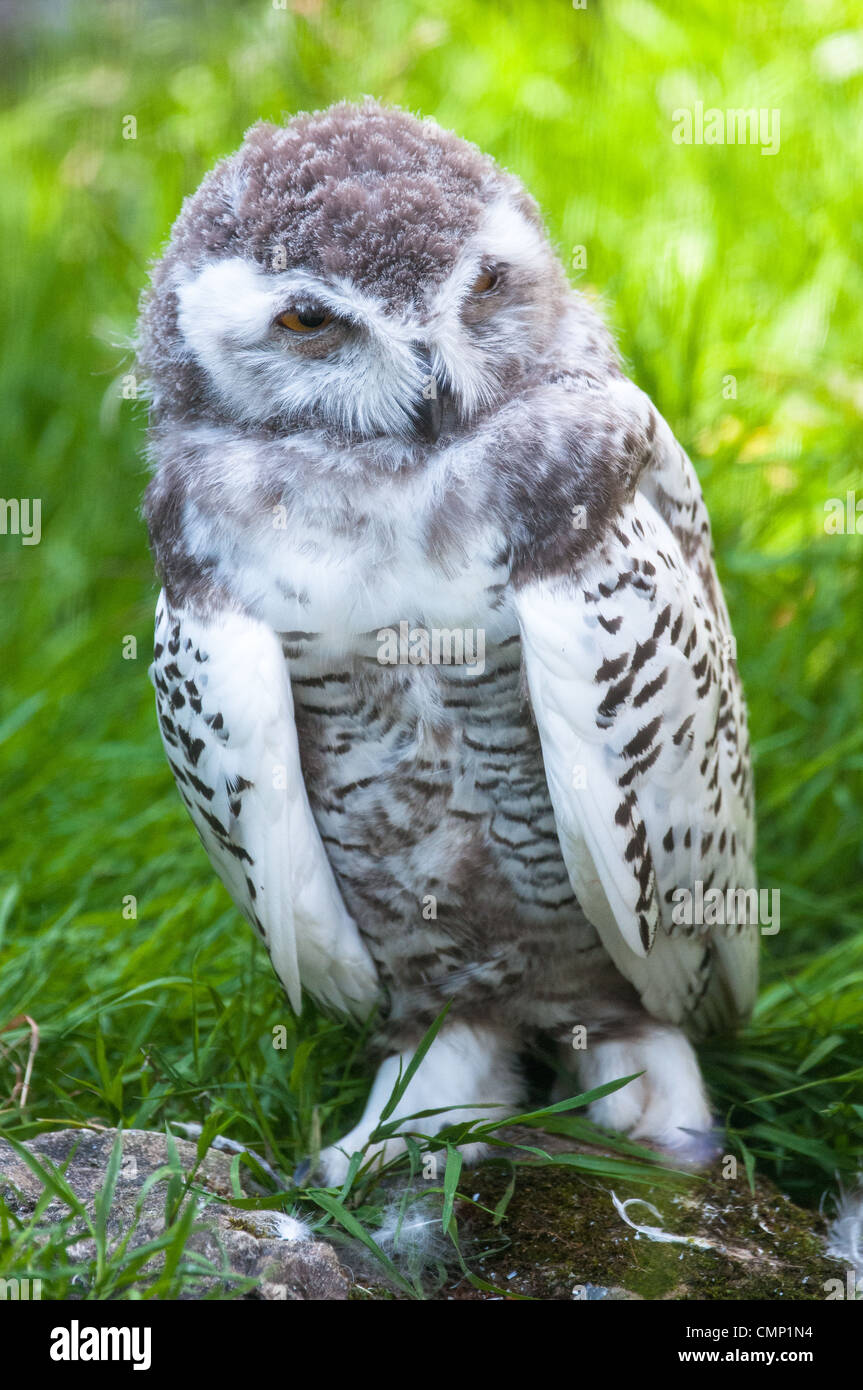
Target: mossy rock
<point x="563" y="1236"/>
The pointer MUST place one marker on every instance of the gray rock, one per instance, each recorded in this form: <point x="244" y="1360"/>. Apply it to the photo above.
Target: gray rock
<point x="238" y="1245"/>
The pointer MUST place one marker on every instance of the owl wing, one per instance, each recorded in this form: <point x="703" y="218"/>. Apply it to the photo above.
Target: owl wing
<point x="223" y="698"/>
<point x="643" y="729"/>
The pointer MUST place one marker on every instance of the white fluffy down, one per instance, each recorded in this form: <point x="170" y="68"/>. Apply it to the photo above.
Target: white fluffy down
<point x="845" y="1231"/>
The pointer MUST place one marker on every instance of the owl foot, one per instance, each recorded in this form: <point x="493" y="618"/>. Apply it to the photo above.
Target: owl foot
<point x="666" y="1107"/>
<point x="468" y="1070"/>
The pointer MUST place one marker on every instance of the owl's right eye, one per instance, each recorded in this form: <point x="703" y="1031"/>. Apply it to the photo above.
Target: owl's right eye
<point x="305" y="320"/>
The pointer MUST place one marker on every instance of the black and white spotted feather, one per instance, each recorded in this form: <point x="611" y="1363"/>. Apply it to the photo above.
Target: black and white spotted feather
<point x="643" y="728"/>
<point x="226" y="717"/>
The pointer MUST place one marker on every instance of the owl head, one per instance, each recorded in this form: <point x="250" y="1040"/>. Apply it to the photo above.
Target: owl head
<point x="357" y="270"/>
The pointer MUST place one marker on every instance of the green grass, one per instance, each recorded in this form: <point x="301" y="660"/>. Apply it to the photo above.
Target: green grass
<point x="712" y="263"/>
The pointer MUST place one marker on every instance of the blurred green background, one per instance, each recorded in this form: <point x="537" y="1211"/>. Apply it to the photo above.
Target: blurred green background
<point x="733" y="281"/>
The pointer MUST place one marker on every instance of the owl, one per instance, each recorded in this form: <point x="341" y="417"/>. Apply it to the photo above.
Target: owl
<point x="443" y="670"/>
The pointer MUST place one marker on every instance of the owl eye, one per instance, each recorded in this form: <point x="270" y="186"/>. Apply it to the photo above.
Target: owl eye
<point x="305" y="320"/>
<point x="485" y="281"/>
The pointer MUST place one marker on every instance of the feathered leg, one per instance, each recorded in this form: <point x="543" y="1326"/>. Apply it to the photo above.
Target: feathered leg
<point x="666" y="1107"/>
<point x="470" y="1070"/>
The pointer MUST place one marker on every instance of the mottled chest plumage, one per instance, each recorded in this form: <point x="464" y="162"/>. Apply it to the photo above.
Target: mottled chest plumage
<point x="427" y="784"/>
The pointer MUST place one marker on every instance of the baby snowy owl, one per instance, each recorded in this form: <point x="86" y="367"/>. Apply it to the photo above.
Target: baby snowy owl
<point x="443" y="669"/>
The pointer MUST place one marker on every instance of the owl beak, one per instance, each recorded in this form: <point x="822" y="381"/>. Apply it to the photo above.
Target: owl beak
<point x="428" y="408"/>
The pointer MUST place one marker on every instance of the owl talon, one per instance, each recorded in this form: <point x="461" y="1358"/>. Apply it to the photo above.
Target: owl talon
<point x="302" y="1172"/>
<point x="665" y="1107"/>
<point x="700" y="1148"/>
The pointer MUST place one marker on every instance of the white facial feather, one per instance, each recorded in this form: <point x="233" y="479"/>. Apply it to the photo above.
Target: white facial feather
<point x="468" y="366"/>
<point x="370" y="380"/>
<point x="227" y="315"/>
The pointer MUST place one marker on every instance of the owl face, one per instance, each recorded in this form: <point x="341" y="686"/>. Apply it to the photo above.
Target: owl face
<point x="357" y="270"/>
